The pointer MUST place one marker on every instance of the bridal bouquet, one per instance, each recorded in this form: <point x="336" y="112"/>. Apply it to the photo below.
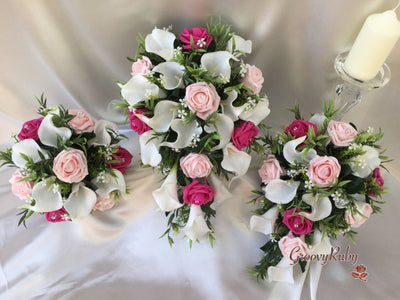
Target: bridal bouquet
<point x="321" y="178"/>
<point x="68" y="164"/>
<point x="196" y="105"/>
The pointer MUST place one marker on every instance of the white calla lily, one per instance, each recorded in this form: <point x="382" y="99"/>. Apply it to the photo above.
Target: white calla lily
<point x="257" y="113"/>
<point x="138" y="88"/>
<point x="280" y="191"/>
<point x="172" y="73"/>
<point x="320" y="207"/>
<point x="167" y="195"/>
<point x="235" y="161"/>
<point x="196" y="227"/>
<point x="27" y="147"/>
<point x="81" y="201"/>
<point x="221" y="192"/>
<point x="293" y="156"/>
<point x="185" y="132"/>
<point x="364" y="164"/>
<point x="282" y="272"/>
<point x="160" y="42"/>
<point x="318" y="119"/>
<point x="48" y="132"/>
<point x="102" y="136"/>
<point x="149" y="148"/>
<point x="224" y="126"/>
<point x="108" y="183"/>
<point x="227" y="106"/>
<point x="240" y="44"/>
<point x="265" y="223"/>
<point x="218" y="63"/>
<point x="164" y="113"/>
<point x="47" y="198"/>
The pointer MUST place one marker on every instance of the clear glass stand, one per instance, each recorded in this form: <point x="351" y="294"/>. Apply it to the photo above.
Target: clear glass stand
<point x="349" y="92"/>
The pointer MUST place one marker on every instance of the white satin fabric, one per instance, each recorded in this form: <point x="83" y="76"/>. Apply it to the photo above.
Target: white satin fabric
<point x="73" y="50"/>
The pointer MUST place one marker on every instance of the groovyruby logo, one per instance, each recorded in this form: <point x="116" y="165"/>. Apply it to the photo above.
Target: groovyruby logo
<point x="360" y="273"/>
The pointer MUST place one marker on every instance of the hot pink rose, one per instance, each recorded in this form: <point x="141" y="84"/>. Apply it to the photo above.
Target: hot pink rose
<point x="197" y="193"/>
<point x="56" y="216"/>
<point x="200" y="36"/>
<point x="288" y="245"/>
<point x="323" y="170"/>
<point x="30" y="129"/>
<point x="341" y="133"/>
<point x="270" y="169"/>
<point x="196" y="165"/>
<point x="296" y="223"/>
<point x="378" y="179"/>
<point x="357" y="220"/>
<point x="244" y="134"/>
<point x="82" y="122"/>
<point x="103" y="204"/>
<point x="299" y="128"/>
<point x="202" y="98"/>
<point x="136" y="124"/>
<point x="21" y="189"/>
<point x="70" y="165"/>
<point x="253" y="79"/>
<point x="124" y="158"/>
<point x="142" y="66"/>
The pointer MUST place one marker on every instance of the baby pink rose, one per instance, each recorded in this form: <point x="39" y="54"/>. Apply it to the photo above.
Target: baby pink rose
<point x="270" y="169"/>
<point x="202" y="98"/>
<point x="82" y="122"/>
<point x="253" y="79"/>
<point x="142" y="66"/>
<point x="137" y="124"/>
<point x="196" y="165"/>
<point x="200" y="36"/>
<point x="296" y="223"/>
<point x="357" y="220"/>
<point x="124" y="157"/>
<point x="103" y="204"/>
<point x="197" y="193"/>
<point x="244" y="134"/>
<point x="21" y="189"/>
<point x="70" y="165"/>
<point x="323" y="170"/>
<point x="30" y="129"/>
<point x="291" y="246"/>
<point x="341" y="133"/>
<point x="56" y="216"/>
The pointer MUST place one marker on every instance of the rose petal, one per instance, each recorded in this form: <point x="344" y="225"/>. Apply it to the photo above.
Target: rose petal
<point x="138" y="88"/>
<point x="164" y="113"/>
<point x="235" y="161"/>
<point x="149" y="149"/>
<point x="293" y="156"/>
<point x="320" y="208"/>
<point x="110" y="184"/>
<point x="240" y="44"/>
<point x="45" y="198"/>
<point x="167" y="195"/>
<point x="48" y="133"/>
<point x="28" y="147"/>
<point x="258" y="113"/>
<point x="185" y="133"/>
<point x="280" y="191"/>
<point x="102" y="135"/>
<point x="225" y="127"/>
<point x="80" y="202"/>
<point x="160" y="42"/>
<point x="218" y="63"/>
<point x="173" y="73"/>
<point x="265" y="223"/>
<point x="196" y="227"/>
<point x="227" y="106"/>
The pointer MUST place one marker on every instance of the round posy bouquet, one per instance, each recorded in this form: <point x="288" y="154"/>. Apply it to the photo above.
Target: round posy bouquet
<point x="195" y="105"/>
<point x="68" y="164"/>
<point x="320" y="179"/>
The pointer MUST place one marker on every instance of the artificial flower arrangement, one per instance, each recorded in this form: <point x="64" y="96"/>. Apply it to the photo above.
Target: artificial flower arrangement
<point x="195" y="105"/>
<point x="320" y="178"/>
<point x="69" y="164"/>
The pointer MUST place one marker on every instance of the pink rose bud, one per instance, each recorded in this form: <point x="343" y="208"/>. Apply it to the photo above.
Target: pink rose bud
<point x="200" y="36"/>
<point x="103" y="204"/>
<point x="357" y="220"/>
<point x="341" y="133"/>
<point x="142" y="66"/>
<point x="197" y="193"/>
<point x="253" y="79"/>
<point x="291" y="246"/>
<point x="299" y="128"/>
<point x="202" y="98"/>
<point x="296" y="223"/>
<point x="378" y="178"/>
<point x="30" y="129"/>
<point x="244" y="134"/>
<point x="124" y="157"/>
<point x="323" y="170"/>
<point x="270" y="169"/>
<point x="196" y="165"/>
<point x="56" y="216"/>
<point x="82" y="122"/>
<point x="137" y="124"/>
<point x="70" y="165"/>
<point x="21" y="189"/>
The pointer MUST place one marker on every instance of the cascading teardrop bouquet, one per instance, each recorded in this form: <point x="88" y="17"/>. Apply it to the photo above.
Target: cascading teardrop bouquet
<point x="195" y="105"/>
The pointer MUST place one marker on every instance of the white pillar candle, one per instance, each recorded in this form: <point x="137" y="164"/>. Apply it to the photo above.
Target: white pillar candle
<point x="376" y="39"/>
